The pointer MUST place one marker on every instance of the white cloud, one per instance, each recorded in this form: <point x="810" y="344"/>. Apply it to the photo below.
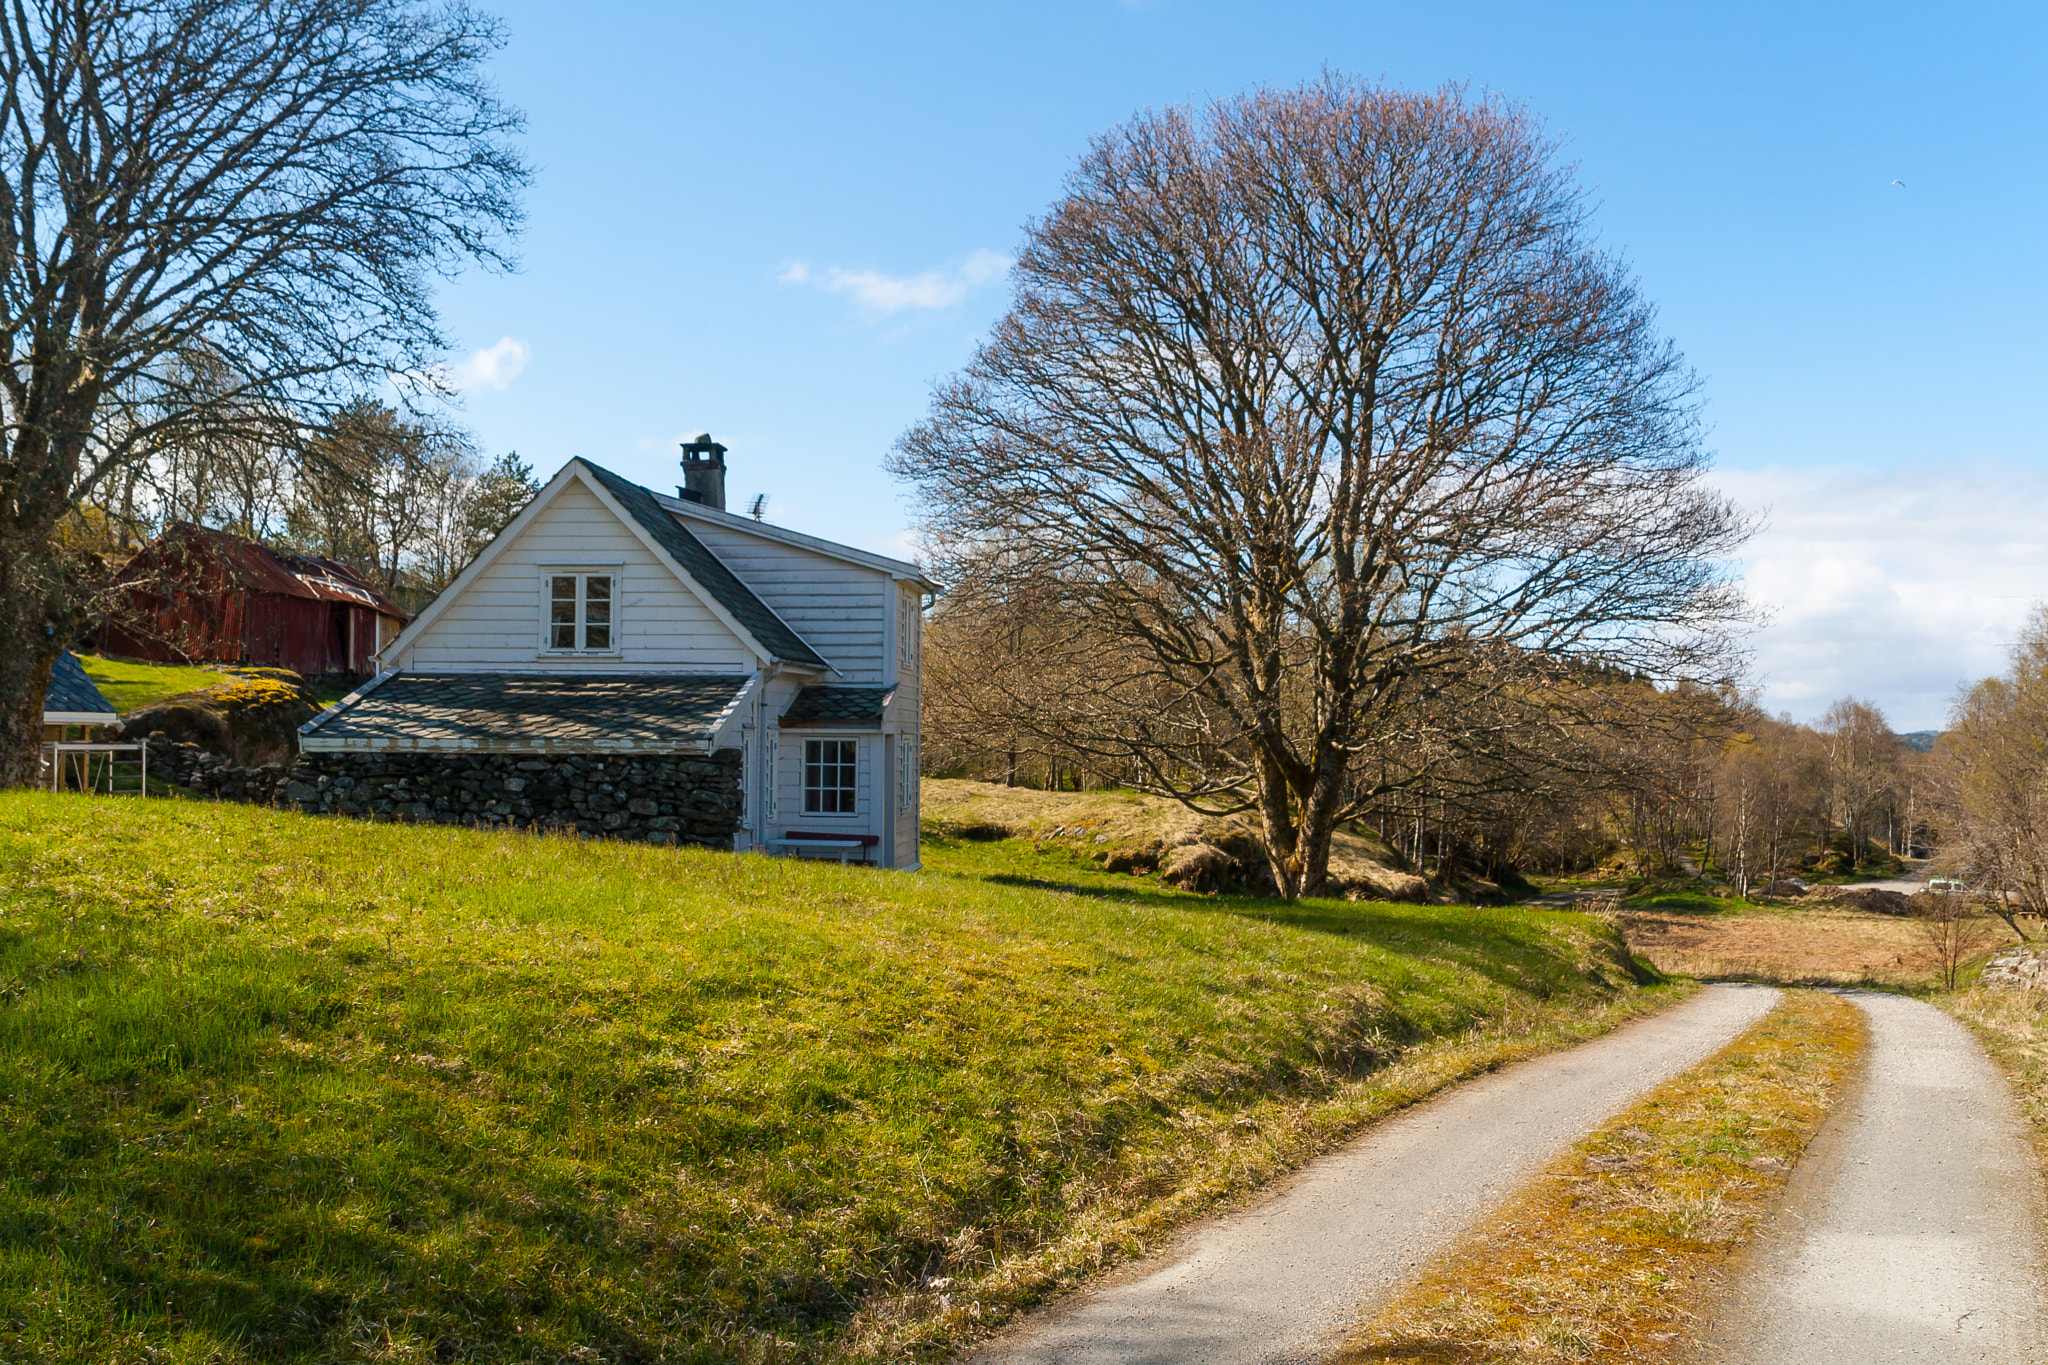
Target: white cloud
<point x="493" y="367"/>
<point x="1896" y="586"/>
<point x="881" y="294"/>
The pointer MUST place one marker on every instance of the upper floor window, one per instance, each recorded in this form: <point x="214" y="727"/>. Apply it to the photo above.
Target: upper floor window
<point x="830" y="767"/>
<point x="579" y="609"/>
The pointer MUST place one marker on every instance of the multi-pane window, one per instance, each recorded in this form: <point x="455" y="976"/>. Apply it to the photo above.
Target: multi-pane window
<point x="580" y="611"/>
<point x="829" y="766"/>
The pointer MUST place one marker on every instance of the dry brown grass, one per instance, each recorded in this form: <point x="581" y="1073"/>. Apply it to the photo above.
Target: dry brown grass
<point x="1820" y="945"/>
<point x="1088" y="821"/>
<point x="1609" y="1254"/>
<point x="2013" y="1026"/>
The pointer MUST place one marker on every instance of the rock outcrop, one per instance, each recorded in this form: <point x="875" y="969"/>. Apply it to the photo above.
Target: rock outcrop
<point x="250" y="719"/>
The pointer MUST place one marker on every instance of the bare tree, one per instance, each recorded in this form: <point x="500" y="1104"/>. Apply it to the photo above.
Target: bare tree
<point x="274" y="183"/>
<point x="1321" y="403"/>
<point x="1863" y="768"/>
<point x="1951" y="933"/>
<point x="1989" y="780"/>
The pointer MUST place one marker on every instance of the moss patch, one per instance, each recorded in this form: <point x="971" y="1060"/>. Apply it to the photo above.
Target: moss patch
<point x="1609" y="1254"/>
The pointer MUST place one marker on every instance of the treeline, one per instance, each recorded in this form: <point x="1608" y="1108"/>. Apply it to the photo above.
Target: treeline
<point x="404" y="500"/>
<point x="1592" y="771"/>
<point x="1990" y="780"/>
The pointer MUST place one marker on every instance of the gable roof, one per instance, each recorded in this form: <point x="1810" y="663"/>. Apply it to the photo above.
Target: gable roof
<point x="185" y="549"/>
<point x="764" y="633"/>
<point x="73" y="699"/>
<point x="708" y="569"/>
<point x="895" y="568"/>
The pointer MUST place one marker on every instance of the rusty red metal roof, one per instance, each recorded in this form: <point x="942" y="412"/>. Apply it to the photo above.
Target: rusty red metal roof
<point x="255" y="567"/>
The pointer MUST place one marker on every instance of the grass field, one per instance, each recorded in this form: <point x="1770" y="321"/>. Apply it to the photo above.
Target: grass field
<point x="1806" y="943"/>
<point x="279" y="1088"/>
<point x="127" y="686"/>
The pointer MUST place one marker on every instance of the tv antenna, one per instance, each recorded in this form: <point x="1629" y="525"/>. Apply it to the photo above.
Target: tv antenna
<point x="760" y="506"/>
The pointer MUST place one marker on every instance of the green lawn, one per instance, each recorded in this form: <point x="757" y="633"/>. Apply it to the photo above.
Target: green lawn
<point x="275" y="1088"/>
<point x="127" y="686"/>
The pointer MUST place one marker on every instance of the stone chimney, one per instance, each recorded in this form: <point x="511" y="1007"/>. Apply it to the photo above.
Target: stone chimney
<point x="703" y="471"/>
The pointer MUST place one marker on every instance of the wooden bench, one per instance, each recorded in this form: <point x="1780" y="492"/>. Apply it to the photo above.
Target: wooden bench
<point x="844" y="847"/>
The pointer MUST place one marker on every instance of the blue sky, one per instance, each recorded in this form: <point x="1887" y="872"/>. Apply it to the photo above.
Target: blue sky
<point x="782" y="223"/>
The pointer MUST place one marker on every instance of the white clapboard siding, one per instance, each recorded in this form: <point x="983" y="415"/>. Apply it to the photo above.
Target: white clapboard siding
<point x="495" y="624"/>
<point x="840" y="609"/>
<point x="790" y="786"/>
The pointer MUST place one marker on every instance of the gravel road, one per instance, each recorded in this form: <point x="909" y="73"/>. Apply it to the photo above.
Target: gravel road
<point x="1911" y="1229"/>
<point x="1277" y="1281"/>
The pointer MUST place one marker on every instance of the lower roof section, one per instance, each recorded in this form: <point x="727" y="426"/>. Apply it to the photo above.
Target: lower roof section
<point x="856" y="708"/>
<point x="531" y="713"/>
<point x="72" y="698"/>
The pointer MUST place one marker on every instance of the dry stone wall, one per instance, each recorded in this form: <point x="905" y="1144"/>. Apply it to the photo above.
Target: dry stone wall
<point x="209" y="774"/>
<point x="656" y="799"/>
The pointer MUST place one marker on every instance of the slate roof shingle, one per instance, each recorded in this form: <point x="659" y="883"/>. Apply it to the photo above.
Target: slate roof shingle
<point x="818" y="706"/>
<point x="709" y="570"/>
<point x="71" y="692"/>
<point x="530" y="713"/>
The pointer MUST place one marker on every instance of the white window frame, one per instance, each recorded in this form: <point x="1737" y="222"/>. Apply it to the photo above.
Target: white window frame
<point x="803" y="785"/>
<point x="582" y="571"/>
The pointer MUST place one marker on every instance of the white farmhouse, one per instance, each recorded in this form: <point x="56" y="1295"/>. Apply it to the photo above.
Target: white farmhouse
<point x="634" y="665"/>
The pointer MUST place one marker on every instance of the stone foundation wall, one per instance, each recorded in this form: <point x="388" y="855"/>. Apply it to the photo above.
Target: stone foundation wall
<point x="656" y="799"/>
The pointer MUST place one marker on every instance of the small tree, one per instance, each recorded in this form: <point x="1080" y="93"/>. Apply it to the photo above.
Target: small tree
<point x="1951" y="932"/>
<point x="1314" y="410"/>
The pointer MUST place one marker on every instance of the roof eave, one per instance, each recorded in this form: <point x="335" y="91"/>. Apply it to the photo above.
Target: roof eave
<point x="330" y="744"/>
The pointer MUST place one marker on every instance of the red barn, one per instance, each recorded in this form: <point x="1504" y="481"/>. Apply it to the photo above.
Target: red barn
<point x="199" y="596"/>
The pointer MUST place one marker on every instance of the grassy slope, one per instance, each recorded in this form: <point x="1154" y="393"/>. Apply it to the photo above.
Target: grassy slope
<point x="1105" y="820"/>
<point x="127" y="686"/>
<point x="288" y="1089"/>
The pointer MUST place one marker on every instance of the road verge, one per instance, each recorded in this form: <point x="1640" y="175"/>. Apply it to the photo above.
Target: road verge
<point x="1609" y="1254"/>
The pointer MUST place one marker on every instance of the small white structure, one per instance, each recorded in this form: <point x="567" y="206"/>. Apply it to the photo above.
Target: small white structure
<point x="611" y="620"/>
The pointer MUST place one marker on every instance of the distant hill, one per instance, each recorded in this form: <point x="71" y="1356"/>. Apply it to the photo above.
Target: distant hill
<point x="1923" y="740"/>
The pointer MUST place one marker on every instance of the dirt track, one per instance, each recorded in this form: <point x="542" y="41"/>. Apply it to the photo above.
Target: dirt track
<point x="1277" y="1281"/>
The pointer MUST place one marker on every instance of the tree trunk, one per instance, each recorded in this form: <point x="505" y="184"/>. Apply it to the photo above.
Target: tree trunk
<point x="33" y="632"/>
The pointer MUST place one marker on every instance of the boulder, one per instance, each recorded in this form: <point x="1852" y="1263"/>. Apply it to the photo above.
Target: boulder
<point x="251" y="718"/>
<point x="1197" y="867"/>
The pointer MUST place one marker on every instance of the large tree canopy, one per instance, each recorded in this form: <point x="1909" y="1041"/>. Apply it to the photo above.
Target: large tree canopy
<point x="215" y="214"/>
<point x="1317" y="411"/>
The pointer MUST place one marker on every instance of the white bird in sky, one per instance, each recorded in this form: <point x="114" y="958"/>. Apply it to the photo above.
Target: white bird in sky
<point x="1900" y="183"/>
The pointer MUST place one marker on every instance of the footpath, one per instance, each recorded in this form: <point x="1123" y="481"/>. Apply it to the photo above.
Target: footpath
<point x="1277" y="1282"/>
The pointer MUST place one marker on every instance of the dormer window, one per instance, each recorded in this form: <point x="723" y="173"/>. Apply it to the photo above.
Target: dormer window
<point x="580" y="611"/>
